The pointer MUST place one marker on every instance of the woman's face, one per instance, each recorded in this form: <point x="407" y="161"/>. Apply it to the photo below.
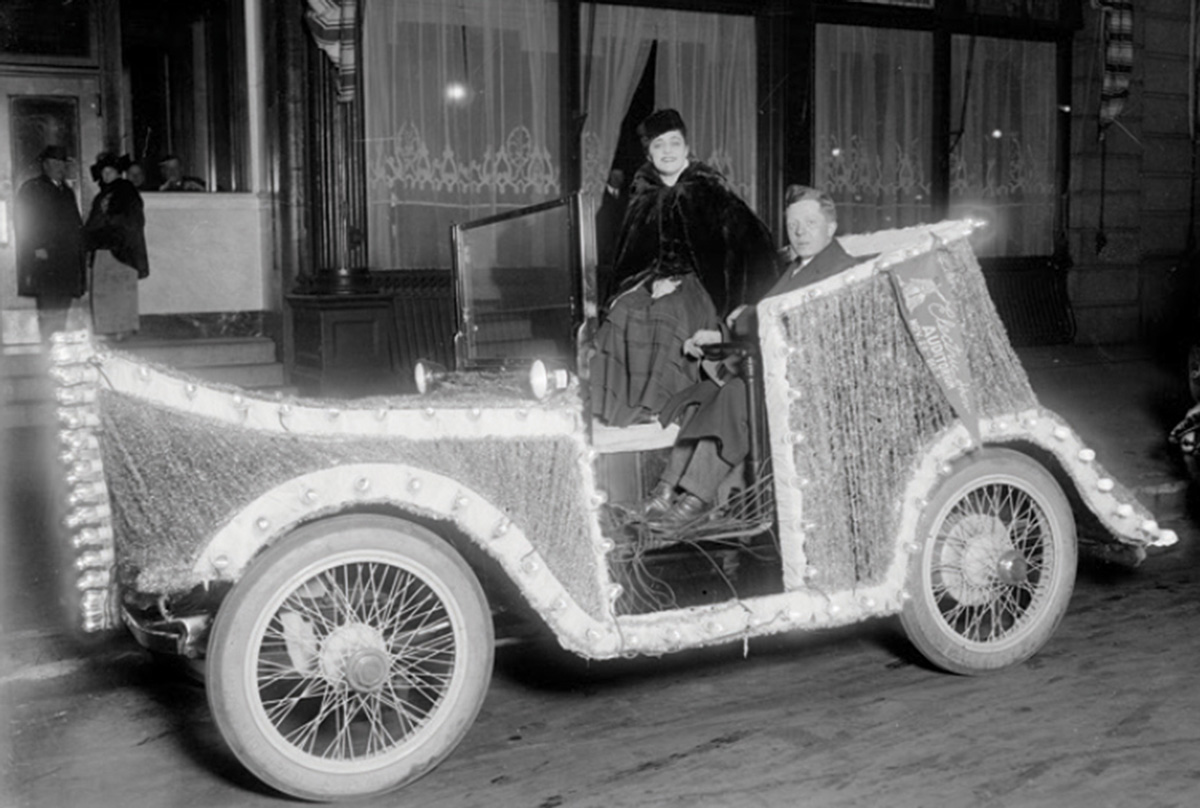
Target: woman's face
<point x="108" y="174"/>
<point x="669" y="153"/>
<point x="808" y="229"/>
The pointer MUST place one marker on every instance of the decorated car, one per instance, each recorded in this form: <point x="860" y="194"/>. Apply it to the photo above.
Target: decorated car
<point x="338" y="569"/>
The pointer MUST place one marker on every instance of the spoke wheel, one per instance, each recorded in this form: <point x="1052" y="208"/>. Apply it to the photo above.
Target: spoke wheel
<point x="996" y="564"/>
<point x="351" y="658"/>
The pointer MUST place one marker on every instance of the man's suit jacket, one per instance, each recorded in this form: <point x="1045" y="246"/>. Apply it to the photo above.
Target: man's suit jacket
<point x="825" y="264"/>
<point x="720" y="412"/>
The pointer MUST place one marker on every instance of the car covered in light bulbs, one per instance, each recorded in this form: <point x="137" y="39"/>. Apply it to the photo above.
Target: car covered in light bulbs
<point x="336" y="568"/>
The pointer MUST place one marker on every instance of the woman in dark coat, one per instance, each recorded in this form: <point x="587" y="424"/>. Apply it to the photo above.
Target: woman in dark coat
<point x="691" y="253"/>
<point x="114" y="234"/>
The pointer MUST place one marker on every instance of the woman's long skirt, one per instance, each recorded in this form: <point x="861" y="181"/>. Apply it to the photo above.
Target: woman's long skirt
<point x="639" y="361"/>
<point x="114" y="295"/>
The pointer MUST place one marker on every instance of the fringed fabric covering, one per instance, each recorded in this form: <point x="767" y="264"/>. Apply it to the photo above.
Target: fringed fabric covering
<point x="864" y="406"/>
<point x="176" y="477"/>
<point x="200" y="476"/>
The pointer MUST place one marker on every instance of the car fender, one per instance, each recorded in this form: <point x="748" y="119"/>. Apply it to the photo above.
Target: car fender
<point x="276" y="512"/>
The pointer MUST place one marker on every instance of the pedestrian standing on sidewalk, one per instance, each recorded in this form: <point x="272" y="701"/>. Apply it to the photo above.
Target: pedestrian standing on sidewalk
<point x="50" y="241"/>
<point x="117" y="244"/>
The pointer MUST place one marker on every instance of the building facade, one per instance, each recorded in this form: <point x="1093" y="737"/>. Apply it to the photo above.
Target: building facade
<point x="338" y="141"/>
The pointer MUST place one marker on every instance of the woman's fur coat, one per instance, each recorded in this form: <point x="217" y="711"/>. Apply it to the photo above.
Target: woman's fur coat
<point x="697" y="225"/>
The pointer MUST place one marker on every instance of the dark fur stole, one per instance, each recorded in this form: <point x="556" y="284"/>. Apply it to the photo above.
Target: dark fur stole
<point x="697" y="225"/>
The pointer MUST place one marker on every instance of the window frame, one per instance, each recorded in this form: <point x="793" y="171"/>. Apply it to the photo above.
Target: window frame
<point x="945" y="21"/>
<point x="41" y="60"/>
<point x="221" y="146"/>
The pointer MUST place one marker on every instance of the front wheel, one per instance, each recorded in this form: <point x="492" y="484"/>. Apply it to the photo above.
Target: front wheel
<point x="995" y="566"/>
<point x="350" y="659"/>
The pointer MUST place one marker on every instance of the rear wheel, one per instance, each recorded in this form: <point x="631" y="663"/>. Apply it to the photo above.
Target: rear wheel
<point x="351" y="658"/>
<point x="996" y="564"/>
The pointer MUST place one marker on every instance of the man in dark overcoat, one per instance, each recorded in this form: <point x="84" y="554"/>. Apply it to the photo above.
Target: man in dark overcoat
<point x="714" y="438"/>
<point x="49" y="229"/>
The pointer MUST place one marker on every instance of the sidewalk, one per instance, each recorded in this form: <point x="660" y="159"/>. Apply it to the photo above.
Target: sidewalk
<point x="1122" y="400"/>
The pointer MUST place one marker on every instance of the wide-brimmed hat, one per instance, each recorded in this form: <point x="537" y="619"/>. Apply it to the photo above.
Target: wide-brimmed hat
<point x="660" y="122"/>
<point x="53" y="153"/>
<point x="106" y="159"/>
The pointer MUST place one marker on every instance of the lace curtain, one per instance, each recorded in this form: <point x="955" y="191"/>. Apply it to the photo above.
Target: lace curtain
<point x="705" y="68"/>
<point x="1004" y="165"/>
<point x="873" y="92"/>
<point x="874" y="118"/>
<point x="461" y="117"/>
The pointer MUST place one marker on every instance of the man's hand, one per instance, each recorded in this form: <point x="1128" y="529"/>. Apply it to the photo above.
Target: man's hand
<point x="694" y="345"/>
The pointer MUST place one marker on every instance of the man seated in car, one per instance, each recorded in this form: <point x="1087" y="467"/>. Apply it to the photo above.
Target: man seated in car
<point x="714" y="437"/>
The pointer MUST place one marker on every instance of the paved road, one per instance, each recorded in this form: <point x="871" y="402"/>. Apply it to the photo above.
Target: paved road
<point x="1107" y="714"/>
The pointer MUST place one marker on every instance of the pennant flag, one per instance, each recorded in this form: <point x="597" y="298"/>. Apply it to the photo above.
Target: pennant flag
<point x="934" y="321"/>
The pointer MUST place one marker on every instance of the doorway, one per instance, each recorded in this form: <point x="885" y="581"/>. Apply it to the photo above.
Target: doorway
<point x="37" y="111"/>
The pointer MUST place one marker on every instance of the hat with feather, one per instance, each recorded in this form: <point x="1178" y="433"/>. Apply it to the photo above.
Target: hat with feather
<point x="109" y="159"/>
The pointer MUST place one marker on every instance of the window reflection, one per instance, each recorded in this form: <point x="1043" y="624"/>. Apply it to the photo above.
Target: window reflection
<point x="46" y="28"/>
<point x="183" y="77"/>
<point x="1002" y="160"/>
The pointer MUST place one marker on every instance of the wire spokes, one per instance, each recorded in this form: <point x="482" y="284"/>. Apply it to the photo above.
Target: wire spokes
<point x="992" y="558"/>
<point x="356" y="660"/>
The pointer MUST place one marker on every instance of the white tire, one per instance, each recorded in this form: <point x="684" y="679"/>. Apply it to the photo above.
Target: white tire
<point x="995" y="567"/>
<point x="351" y="658"/>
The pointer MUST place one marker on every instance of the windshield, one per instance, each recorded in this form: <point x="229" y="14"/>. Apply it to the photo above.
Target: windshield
<point x="517" y="281"/>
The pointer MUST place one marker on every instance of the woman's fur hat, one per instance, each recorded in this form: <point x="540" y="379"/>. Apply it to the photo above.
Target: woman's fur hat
<point x="659" y="122"/>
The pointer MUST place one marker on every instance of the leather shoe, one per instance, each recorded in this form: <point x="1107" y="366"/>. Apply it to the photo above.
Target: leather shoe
<point x="659" y="501"/>
<point x="686" y="508"/>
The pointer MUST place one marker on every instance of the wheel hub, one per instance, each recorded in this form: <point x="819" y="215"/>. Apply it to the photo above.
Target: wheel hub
<point x="367" y="670"/>
<point x="1012" y="568"/>
<point x="977" y="552"/>
<point x="355" y="654"/>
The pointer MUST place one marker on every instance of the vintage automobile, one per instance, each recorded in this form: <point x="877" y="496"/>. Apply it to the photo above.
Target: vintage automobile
<point x="338" y="568"/>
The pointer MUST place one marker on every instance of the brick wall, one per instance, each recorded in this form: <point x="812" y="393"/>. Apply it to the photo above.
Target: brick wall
<point x="1140" y="285"/>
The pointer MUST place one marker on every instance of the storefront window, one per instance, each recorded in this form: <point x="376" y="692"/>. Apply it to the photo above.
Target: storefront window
<point x="874" y="143"/>
<point x="461" y="115"/>
<point x="1004" y="141"/>
<point x="873" y="93"/>
<point x="184" y="78"/>
<point x="46" y="30"/>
